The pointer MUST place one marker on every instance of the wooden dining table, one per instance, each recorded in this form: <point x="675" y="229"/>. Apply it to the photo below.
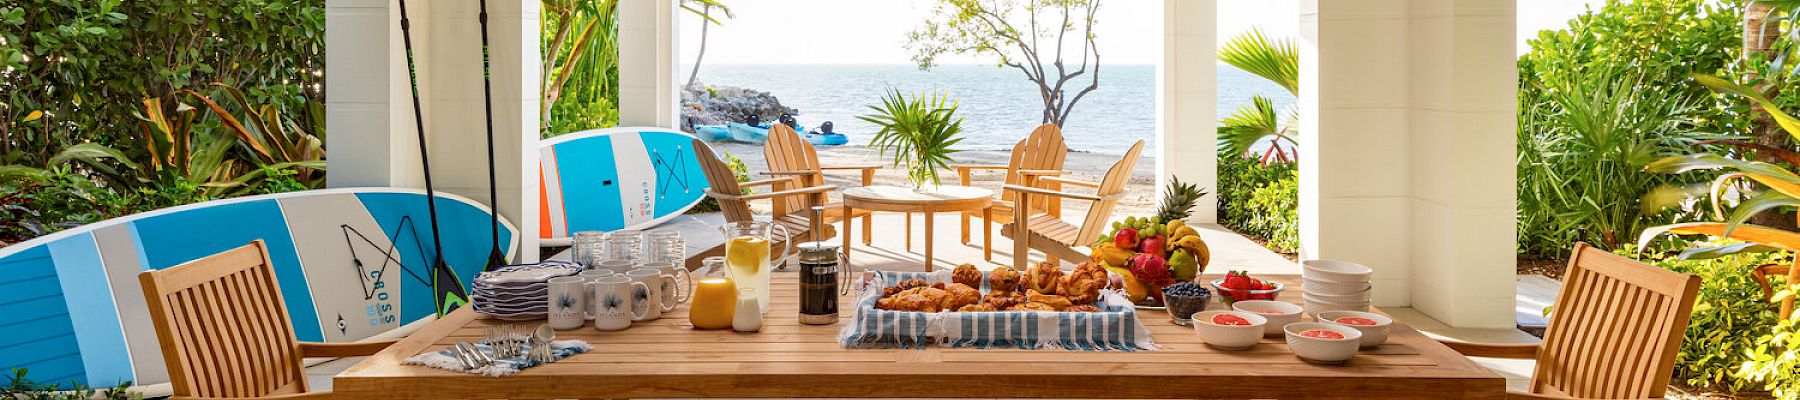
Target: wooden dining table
<point x="667" y="358"/>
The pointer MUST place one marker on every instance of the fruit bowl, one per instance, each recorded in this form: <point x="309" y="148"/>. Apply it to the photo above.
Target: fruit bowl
<point x="1337" y="344"/>
<point x="1278" y="313"/>
<point x="1217" y="333"/>
<point x="1374" y="327"/>
<point x="1230" y="296"/>
<point x="1183" y="300"/>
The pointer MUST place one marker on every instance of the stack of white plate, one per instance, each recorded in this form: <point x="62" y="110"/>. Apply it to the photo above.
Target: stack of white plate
<point x="1329" y="285"/>
<point x="519" y="291"/>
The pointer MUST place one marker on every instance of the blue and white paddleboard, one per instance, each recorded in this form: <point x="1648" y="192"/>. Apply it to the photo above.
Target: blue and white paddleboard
<point x="615" y="178"/>
<point x="351" y="263"/>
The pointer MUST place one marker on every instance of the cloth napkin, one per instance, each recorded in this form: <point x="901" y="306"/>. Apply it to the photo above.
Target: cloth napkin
<point x="442" y="359"/>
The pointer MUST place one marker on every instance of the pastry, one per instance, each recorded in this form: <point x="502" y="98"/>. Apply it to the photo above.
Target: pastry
<point x="967" y="274"/>
<point x="1032" y="307"/>
<point x="1055" y="302"/>
<point x="1003" y="280"/>
<point x="1044" y="277"/>
<point x="960" y="295"/>
<point x="1083" y="285"/>
<point x="978" y="307"/>
<point x="925" y="299"/>
<point x="1003" y="300"/>
<point x="1082" y="308"/>
<point x="904" y="285"/>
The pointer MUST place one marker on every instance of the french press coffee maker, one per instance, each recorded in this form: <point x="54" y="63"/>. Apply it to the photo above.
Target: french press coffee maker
<point x="822" y="276"/>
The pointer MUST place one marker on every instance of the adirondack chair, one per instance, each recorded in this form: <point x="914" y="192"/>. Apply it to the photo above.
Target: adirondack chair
<point x="1059" y="239"/>
<point x="224" y="329"/>
<point x="1040" y="154"/>
<point x="788" y="155"/>
<point x="725" y="188"/>
<point x="1617" y="326"/>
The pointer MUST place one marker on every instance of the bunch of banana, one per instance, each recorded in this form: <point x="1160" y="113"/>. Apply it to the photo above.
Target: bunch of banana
<point x="1188" y="254"/>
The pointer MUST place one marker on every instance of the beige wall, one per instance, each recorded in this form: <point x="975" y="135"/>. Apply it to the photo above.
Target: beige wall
<point x="1408" y="150"/>
<point x="1187" y="101"/>
<point x="370" y="117"/>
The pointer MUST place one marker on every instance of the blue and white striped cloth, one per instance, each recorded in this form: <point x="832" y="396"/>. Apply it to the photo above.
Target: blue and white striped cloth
<point x="1116" y="327"/>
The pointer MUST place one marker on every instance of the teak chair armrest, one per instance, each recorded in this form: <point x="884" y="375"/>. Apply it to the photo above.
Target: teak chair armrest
<point x="769" y="195"/>
<point x="846" y="167"/>
<point x="294" y="396"/>
<point x="789" y="173"/>
<point x="976" y="166"/>
<point x="766" y="182"/>
<point x="309" y="349"/>
<point x="1071" y="182"/>
<point x="1067" y="195"/>
<point x="1518" y="351"/>
<point x="1041" y="172"/>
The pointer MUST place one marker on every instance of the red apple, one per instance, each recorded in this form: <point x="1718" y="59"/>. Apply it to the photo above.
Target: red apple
<point x="1154" y="245"/>
<point x="1127" y="238"/>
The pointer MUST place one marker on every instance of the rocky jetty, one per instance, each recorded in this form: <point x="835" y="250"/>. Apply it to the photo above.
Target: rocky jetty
<point x="704" y="104"/>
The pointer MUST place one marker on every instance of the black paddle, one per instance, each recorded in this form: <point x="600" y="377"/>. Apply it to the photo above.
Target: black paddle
<point x="447" y="289"/>
<point x="496" y="259"/>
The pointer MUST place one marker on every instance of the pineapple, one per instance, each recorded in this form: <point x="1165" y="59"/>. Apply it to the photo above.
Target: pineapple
<point x="1178" y="198"/>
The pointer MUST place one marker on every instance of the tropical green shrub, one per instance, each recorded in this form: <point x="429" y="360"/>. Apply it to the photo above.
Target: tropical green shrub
<point x="1730" y="321"/>
<point x="1602" y="98"/>
<point x="1260" y="200"/>
<point x="1256" y="123"/>
<point x="1776" y="359"/>
<point x="17" y="387"/>
<point x="919" y="131"/>
<point x="83" y="66"/>
<point x="581" y="65"/>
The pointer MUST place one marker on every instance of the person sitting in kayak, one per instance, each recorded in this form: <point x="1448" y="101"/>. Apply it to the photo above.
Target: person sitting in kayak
<point x="825" y="128"/>
<point x="789" y="120"/>
<point x="753" y="120"/>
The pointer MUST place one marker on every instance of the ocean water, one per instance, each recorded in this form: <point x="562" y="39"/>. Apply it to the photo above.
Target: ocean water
<point x="998" y="106"/>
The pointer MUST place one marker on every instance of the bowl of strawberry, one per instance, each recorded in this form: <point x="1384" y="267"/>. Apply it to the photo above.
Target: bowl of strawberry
<point x="1239" y="285"/>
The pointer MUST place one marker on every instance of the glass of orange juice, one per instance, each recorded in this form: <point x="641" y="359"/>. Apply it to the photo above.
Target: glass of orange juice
<point x="715" y="297"/>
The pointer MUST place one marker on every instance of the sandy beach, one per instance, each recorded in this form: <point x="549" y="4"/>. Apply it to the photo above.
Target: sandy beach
<point x="1140" y="192"/>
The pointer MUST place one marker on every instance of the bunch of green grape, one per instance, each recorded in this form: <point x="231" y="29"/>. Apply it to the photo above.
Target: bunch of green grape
<point x="1146" y="227"/>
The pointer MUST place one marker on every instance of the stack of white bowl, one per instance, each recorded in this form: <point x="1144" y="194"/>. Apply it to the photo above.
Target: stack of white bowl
<point x="1330" y="285"/>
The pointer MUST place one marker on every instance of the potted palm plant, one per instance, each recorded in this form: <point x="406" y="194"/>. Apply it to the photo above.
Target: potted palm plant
<point x="918" y="131"/>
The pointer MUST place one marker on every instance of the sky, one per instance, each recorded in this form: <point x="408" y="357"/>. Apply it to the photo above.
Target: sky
<point x="874" y="31"/>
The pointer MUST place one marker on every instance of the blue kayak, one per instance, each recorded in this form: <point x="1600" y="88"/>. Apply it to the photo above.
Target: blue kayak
<point x="712" y="133"/>
<point x="746" y="133"/>
<point x="825" y="139"/>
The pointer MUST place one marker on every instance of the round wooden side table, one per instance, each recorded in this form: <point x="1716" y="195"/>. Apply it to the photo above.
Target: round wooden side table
<point x="907" y="200"/>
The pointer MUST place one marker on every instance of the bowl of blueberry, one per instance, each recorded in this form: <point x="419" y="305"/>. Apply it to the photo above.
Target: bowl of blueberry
<point x="1184" y="299"/>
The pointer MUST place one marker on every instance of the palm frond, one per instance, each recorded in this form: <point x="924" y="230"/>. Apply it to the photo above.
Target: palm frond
<point x="1277" y="61"/>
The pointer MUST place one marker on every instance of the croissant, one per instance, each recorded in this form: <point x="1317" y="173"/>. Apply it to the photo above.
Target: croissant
<point x="1045" y="277"/>
<point x="1003" y="280"/>
<point x="966" y="274"/>
<point x="1052" y="301"/>
<point x="1002" y="299"/>
<point x="904" y="285"/>
<point x="1032" y="307"/>
<point x="1083" y="285"/>
<point x="960" y="295"/>
<point x="926" y="299"/>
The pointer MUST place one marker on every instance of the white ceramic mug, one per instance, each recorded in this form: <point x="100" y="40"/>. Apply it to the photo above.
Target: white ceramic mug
<point x="567" y="302"/>
<point x="617" y="266"/>
<point x="613" y="302"/>
<point x="591" y="276"/>
<point x="652" y="299"/>
<point x="678" y="288"/>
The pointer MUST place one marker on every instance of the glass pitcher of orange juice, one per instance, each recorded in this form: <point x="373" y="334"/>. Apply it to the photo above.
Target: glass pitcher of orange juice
<point x="715" y="297"/>
<point x="747" y="255"/>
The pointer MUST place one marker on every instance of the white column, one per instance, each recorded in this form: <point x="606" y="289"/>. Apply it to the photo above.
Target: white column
<point x="648" y="91"/>
<point x="1406" y="162"/>
<point x="369" y="101"/>
<point x="1187" y="98"/>
<point x="1464" y="120"/>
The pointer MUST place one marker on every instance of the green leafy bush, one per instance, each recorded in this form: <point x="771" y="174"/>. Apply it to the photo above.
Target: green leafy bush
<point x="1730" y="324"/>
<point x="17" y="387"/>
<point x="1603" y="97"/>
<point x="1776" y="359"/>
<point x="1260" y="200"/>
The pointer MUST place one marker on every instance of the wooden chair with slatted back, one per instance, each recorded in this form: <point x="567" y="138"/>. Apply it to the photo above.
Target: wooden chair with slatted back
<point x="789" y="155"/>
<point x="1617" y="326"/>
<point x="224" y="329"/>
<point x="1059" y="239"/>
<point x="724" y="187"/>
<point x="1040" y="154"/>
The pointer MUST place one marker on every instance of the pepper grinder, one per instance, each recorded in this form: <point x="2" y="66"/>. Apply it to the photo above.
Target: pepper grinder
<point x="820" y="270"/>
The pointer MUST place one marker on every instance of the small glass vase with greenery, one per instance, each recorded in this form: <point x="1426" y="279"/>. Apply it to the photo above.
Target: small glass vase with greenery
<point x="918" y="131"/>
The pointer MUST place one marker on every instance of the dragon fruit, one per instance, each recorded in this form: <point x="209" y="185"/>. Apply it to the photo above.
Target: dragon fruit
<point x="1151" y="269"/>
